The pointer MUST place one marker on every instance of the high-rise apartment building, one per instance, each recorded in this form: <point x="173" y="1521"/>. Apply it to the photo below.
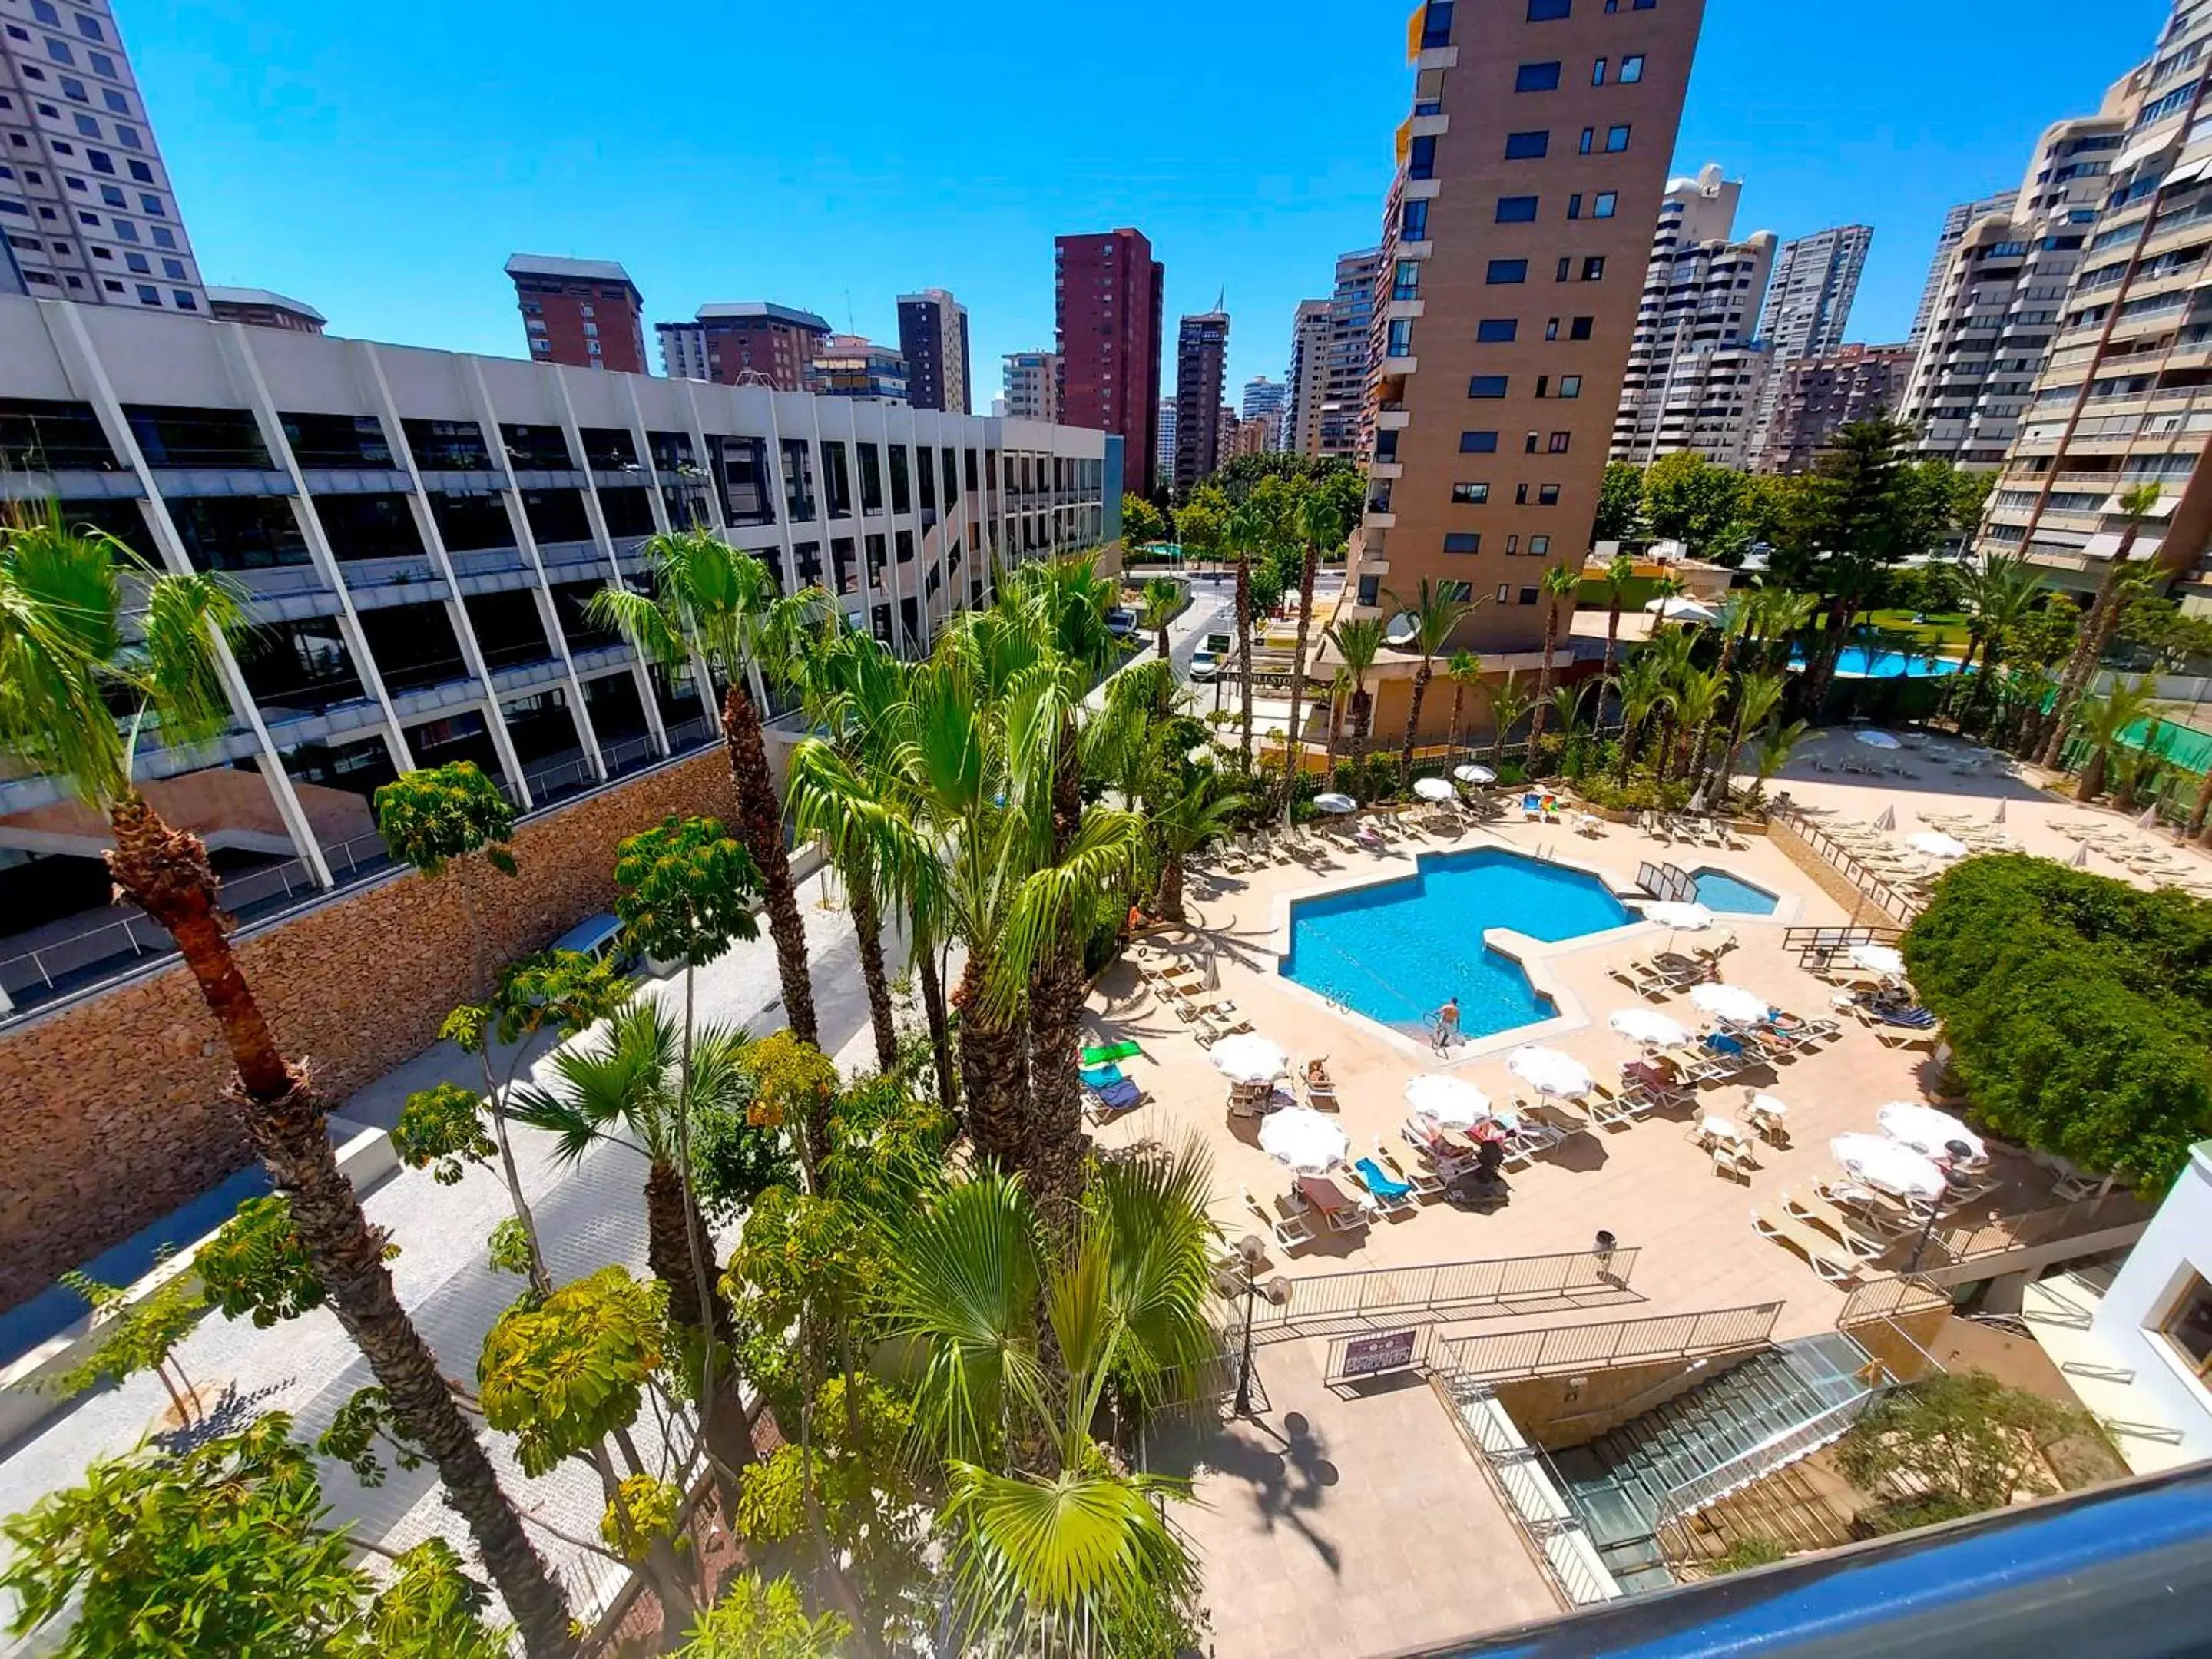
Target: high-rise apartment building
<point x="1255" y="436"/>
<point x="1957" y="220"/>
<point x="1998" y="292"/>
<point x="1263" y="398"/>
<point x="1201" y="358"/>
<point x="1165" y="426"/>
<point x="1351" y="360"/>
<point x="750" y="343"/>
<point x="2125" y="394"/>
<point x="1107" y="295"/>
<point x="584" y="312"/>
<point x="1694" y="373"/>
<point x="85" y="198"/>
<point x="1809" y="306"/>
<point x="1814" y="395"/>
<point x="258" y="307"/>
<point x="1033" y="385"/>
<point x="852" y="366"/>
<point x="934" y="340"/>
<point x="1304" y="385"/>
<point x="1509" y="307"/>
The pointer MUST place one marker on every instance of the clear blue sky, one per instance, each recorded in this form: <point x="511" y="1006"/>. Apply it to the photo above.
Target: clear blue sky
<point x="382" y="161"/>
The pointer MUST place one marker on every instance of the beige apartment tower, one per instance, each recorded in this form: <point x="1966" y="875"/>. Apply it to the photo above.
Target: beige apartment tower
<point x="1516" y="240"/>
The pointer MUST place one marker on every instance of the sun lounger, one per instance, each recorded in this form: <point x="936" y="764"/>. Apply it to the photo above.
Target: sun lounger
<point x="1391" y="1195"/>
<point x="1213" y="1027"/>
<point x="1640" y="977"/>
<point x="1425" y="1183"/>
<point x="1817" y="1211"/>
<point x="1290" y="1231"/>
<point x="1098" y="1077"/>
<point x="1826" y="1256"/>
<point x="1874" y="1213"/>
<point x="1106" y="1054"/>
<point x="1103" y="1105"/>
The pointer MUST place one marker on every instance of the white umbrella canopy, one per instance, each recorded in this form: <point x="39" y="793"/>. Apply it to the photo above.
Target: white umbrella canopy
<point x="1878" y="958"/>
<point x="1928" y="1131"/>
<point x="1335" y="803"/>
<point x="1888" y="1165"/>
<point x="1249" y="1058"/>
<point x="2000" y="817"/>
<point x="1678" y="609"/>
<point x="1937" y="845"/>
<point x="2149" y="818"/>
<point x="1434" y="789"/>
<point x="1649" y="1026"/>
<point x="2081" y="859"/>
<point x="1303" y="1139"/>
<point x="1474" y="775"/>
<point x="1690" y="918"/>
<point x="1887" y="820"/>
<point x="1451" y="1100"/>
<point x="1548" y="1071"/>
<point x="1730" y="1003"/>
<point x="1876" y="740"/>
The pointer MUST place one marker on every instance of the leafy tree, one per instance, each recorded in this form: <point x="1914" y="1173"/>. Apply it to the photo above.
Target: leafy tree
<point x="1999" y="594"/>
<point x="1143" y="525"/>
<point x="444" y="815"/>
<point x="1464" y="670"/>
<point x="2043" y="636"/>
<point x="1509" y="703"/>
<point x="256" y="1265"/>
<point x="1202" y="522"/>
<point x="1201" y="806"/>
<point x="1964" y="1437"/>
<point x="1620" y="503"/>
<point x="2137" y="503"/>
<point x="64" y="655"/>
<point x="2105" y="722"/>
<point x="1690" y="500"/>
<point x="225" y="1549"/>
<point x="2078" y="1010"/>
<point x="1323" y="517"/>
<point x="765" y="1620"/>
<point x="134" y="1336"/>
<point x="1359" y="640"/>
<point x="441" y="1129"/>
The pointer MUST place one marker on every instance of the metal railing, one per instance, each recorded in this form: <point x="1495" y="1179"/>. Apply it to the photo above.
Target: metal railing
<point x="695" y="733"/>
<point x="1503" y="1354"/>
<point x="1895" y="1298"/>
<point x="1521" y="1475"/>
<point x="2027" y="1230"/>
<point x="1433" y="1294"/>
<point x="1703" y="1491"/>
<point x="1900" y="905"/>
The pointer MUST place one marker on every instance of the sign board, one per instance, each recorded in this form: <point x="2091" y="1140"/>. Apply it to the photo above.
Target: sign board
<point x="1387" y="1351"/>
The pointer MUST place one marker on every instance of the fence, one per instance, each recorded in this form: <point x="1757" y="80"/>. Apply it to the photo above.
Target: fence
<point x="1702" y="1491"/>
<point x="1895" y="902"/>
<point x="2031" y="1229"/>
<point x="1327" y="1304"/>
<point x="1894" y="1297"/>
<point x="1494" y="1356"/>
<point x="1664" y="881"/>
<point x="1531" y="1495"/>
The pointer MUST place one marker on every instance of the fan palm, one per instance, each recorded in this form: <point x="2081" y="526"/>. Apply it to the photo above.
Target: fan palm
<point x="1777" y="744"/>
<point x="1163" y="598"/>
<point x="1359" y="640"/>
<point x="2105" y="722"/>
<point x="1202" y="806"/>
<point x="1464" y="670"/>
<point x="1561" y="584"/>
<point x="1617" y="576"/>
<point x="2136" y="504"/>
<point x="1437" y="610"/>
<point x="1319" y="522"/>
<point x="1998" y="596"/>
<point x="1508" y="704"/>
<point x="69" y="643"/>
<point x="714" y="605"/>
<point x="1644" y="691"/>
<point x="1738" y="616"/>
<point x="1757" y="697"/>
<point x="1698" y="694"/>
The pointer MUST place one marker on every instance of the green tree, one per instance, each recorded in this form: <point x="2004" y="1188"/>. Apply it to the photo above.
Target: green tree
<point x="1509" y="703"/>
<point x="1247" y="535"/>
<point x="1200" y="806"/>
<point x="1464" y="670"/>
<point x="1965" y="1438"/>
<point x="1163" y="599"/>
<point x="1757" y="697"/>
<point x="2104" y="722"/>
<point x="759" y="1619"/>
<point x="256" y="1265"/>
<point x="1202" y="523"/>
<point x="1359" y="642"/>
<point x="713" y="605"/>
<point x="1322" y="520"/>
<point x="1436" y="610"/>
<point x="1690" y="500"/>
<point x="1620" y="504"/>
<point x="2137" y="502"/>
<point x="1999" y="595"/>
<point x="1777" y="744"/>
<point x="1142" y="524"/>
<point x="1561" y="585"/>
<point x="1617" y="576"/>
<point x="134" y="1336"/>
<point x="62" y="654"/>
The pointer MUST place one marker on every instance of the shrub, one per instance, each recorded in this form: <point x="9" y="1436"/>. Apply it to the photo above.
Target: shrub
<point x="2078" y="1009"/>
<point x="1746" y="1552"/>
<point x="1639" y="792"/>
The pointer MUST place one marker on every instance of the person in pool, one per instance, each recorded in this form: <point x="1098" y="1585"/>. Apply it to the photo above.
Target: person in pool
<point x="1446" y="1022"/>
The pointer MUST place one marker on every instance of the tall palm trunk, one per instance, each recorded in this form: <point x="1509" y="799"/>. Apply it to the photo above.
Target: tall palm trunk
<point x="2202" y="811"/>
<point x="1361" y="707"/>
<point x="1294" y="759"/>
<point x="940" y="1030"/>
<point x="991" y="1069"/>
<point x="165" y="871"/>
<point x="868" y="926"/>
<point x="1171" y="882"/>
<point x="760" y="827"/>
<point x="1544" y="685"/>
<point x="676" y="1241"/>
<point x="1712" y="721"/>
<point x="1459" y="701"/>
<point x="1820" y="665"/>
<point x="1244" y="650"/>
<point x="1057" y="1144"/>
<point x="1421" y="677"/>
<point x="1611" y="644"/>
<point x="1335" y="734"/>
<point x="2097" y="631"/>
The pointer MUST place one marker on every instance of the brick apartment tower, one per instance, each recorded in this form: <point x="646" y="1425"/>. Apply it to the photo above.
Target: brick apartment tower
<point x="584" y="313"/>
<point x="1202" y="356"/>
<point x="1107" y="292"/>
<point x="1507" y="301"/>
<point x="746" y="342"/>
<point x="934" y="340"/>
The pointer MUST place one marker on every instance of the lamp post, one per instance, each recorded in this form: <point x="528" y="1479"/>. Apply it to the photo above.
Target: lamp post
<point x="1240" y="1276"/>
<point x="1960" y="1152"/>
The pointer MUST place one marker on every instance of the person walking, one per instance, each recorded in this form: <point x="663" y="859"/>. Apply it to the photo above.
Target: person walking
<point x="1445" y="1025"/>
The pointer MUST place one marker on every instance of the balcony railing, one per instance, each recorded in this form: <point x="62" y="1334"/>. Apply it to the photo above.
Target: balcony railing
<point x="1494" y="1355"/>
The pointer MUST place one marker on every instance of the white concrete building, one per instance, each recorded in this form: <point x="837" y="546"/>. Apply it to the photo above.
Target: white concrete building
<point x="1032" y="382"/>
<point x="1305" y="385"/>
<point x="1695" y="374"/>
<point x="1808" y="307"/>
<point x="1957" y="219"/>
<point x="86" y="207"/>
<point x="1351" y="351"/>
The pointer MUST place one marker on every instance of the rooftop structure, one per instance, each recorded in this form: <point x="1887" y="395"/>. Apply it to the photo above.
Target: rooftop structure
<point x="584" y="312"/>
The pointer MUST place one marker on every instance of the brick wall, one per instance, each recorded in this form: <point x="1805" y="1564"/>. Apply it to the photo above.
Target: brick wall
<point x="110" y="1115"/>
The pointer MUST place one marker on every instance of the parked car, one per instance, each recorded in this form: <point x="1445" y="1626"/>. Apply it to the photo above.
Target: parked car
<point x="1204" y="666"/>
<point x="1121" y="622"/>
<point x="604" y="938"/>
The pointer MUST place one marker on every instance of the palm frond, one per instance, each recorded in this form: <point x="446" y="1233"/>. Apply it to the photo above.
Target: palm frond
<point x="61" y="605"/>
<point x="177" y="676"/>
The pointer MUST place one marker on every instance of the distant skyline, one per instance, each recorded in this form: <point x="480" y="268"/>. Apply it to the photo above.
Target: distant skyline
<point x="382" y="166"/>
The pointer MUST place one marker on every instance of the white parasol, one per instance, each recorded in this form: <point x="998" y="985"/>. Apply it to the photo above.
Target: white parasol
<point x="1249" y="1058"/>
<point x="1937" y="845"/>
<point x="2000" y="817"/>
<point x="1878" y="958"/>
<point x="1451" y="1100"/>
<point x="1889" y="1165"/>
<point x="1303" y="1139"/>
<point x="1729" y="1003"/>
<point x="1548" y="1071"/>
<point x="1877" y="739"/>
<point x="1928" y="1131"/>
<point x="1678" y="609"/>
<point x="1766" y="1105"/>
<point x="1649" y="1026"/>
<point x="1434" y="789"/>
<point x="2081" y="859"/>
<point x="1690" y="918"/>
<point x="1887" y="821"/>
<point x="1339" y="804"/>
<point x="1474" y="775"/>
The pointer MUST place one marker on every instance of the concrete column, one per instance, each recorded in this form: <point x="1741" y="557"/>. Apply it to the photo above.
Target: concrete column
<point x="597" y="513"/>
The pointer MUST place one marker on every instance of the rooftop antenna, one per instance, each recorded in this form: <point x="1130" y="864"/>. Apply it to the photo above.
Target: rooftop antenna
<point x="849" y="329"/>
<point x="1221" y="300"/>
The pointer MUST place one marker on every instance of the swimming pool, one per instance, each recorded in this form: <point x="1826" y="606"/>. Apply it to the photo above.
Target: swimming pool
<point x="1395" y="951"/>
<point x="1858" y="662"/>
<point x="1727" y="895"/>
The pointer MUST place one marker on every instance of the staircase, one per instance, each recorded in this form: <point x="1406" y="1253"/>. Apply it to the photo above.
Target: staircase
<point x="1700" y="1447"/>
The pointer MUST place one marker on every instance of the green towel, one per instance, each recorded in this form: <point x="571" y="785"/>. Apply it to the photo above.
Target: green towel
<point x="1107" y="1053"/>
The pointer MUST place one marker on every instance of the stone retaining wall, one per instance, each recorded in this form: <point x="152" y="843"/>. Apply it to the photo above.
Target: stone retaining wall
<point x="110" y="1110"/>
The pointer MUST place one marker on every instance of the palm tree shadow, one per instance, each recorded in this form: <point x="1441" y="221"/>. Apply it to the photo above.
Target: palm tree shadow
<point x="231" y="1412"/>
<point x="1286" y="1480"/>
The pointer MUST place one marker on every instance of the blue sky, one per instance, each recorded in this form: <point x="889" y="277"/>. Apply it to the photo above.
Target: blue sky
<point x="382" y="162"/>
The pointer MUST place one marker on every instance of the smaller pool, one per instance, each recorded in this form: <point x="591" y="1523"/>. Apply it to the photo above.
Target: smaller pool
<point x="1727" y="895"/>
<point x="1858" y="662"/>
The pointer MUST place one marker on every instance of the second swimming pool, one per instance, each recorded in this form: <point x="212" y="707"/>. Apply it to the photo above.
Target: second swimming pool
<point x="1719" y="891"/>
<point x="1395" y="951"/>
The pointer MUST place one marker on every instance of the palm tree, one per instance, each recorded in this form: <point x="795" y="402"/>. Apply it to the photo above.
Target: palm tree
<point x="1698" y="694"/>
<point x="1358" y="639"/>
<point x="1997" y="596"/>
<point x="714" y="605"/>
<point x="1319" y="523"/>
<point x="1617" y="576"/>
<point x="1437" y="610"/>
<point x="1561" y="584"/>
<point x="1643" y="692"/>
<point x="1464" y="670"/>
<point x="2105" y="722"/>
<point x="1247" y="531"/>
<point x="1196" y="809"/>
<point x="1740" y="615"/>
<point x="1777" y="744"/>
<point x="1508" y="703"/>
<point x="1757" y="697"/>
<point x="1161" y="601"/>
<point x="69" y="643"/>
<point x="2136" y="504"/>
<point x="1340" y="687"/>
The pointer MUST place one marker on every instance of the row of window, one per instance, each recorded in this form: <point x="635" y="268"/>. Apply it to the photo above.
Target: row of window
<point x="1495" y="386"/>
<point x="1504" y="272"/>
<point x="1468" y="541"/>
<point x="1436" y="15"/>
<point x="1486" y="443"/>
<point x="1371" y="587"/>
<point x="1547" y="77"/>
<point x="1478" y="494"/>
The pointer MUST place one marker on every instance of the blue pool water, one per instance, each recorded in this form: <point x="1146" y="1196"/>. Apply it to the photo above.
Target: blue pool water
<point x="1858" y="662"/>
<point x="1395" y="951"/>
<point x="1719" y="891"/>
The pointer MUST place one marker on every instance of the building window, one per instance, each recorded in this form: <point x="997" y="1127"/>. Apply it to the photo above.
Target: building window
<point x="1544" y="11"/>
<point x="1575" y="205"/>
<point x="1478" y="443"/>
<point x="1517" y="210"/>
<point x="1580" y="328"/>
<point x="1525" y="146"/>
<point x="1560" y="442"/>
<point x="1631" y="69"/>
<point x="2188" y="1326"/>
<point x="1547" y="494"/>
<point x="1406" y="281"/>
<point x="1527" y="596"/>
<point x="1421" y="158"/>
<point x="1539" y="546"/>
<point x="1593" y="268"/>
<point x="1607" y="204"/>
<point x="1566" y="268"/>
<point x="1436" y="31"/>
<point x="1597" y="73"/>
<point x="1497" y="331"/>
<point x="1616" y="140"/>
<point x="1413" y="222"/>
<point x="1400" y="341"/>
<point x="1470" y="494"/>
<point x="1486" y="385"/>
<point x="1462" y="541"/>
<point x="1571" y="385"/>
<point x="1537" y="77"/>
<point x="1507" y="270"/>
<point x="1371" y="590"/>
<point x="1590" y="140"/>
